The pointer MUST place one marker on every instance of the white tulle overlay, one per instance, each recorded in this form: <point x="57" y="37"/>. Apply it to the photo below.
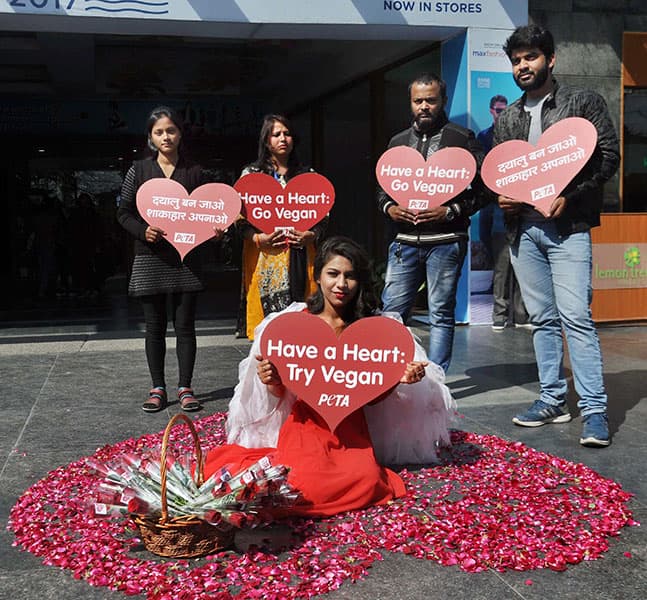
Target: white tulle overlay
<point x="406" y="427"/>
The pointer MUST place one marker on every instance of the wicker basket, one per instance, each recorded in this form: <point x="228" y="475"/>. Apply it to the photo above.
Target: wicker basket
<point x="186" y="536"/>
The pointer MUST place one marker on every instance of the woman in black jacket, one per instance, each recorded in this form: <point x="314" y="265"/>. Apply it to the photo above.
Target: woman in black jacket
<point x="158" y="274"/>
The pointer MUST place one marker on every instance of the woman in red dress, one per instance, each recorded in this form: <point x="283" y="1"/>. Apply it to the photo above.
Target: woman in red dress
<point x="333" y="471"/>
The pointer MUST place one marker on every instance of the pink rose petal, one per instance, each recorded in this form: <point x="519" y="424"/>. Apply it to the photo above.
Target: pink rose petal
<point x="489" y="504"/>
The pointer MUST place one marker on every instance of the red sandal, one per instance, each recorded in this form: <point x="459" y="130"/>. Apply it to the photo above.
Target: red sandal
<point x="156" y="400"/>
<point x="188" y="401"/>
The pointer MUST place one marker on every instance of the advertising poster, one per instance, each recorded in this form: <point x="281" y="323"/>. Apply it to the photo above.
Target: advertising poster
<point x="490" y="82"/>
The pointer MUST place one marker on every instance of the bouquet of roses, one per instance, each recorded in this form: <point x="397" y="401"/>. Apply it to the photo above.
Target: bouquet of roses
<point x="131" y="484"/>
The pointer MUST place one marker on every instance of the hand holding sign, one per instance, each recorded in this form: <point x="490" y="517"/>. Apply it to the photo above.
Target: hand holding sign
<point x="337" y="376"/>
<point x="419" y="185"/>
<point x="188" y="219"/>
<point x="305" y="200"/>
<point x="538" y="174"/>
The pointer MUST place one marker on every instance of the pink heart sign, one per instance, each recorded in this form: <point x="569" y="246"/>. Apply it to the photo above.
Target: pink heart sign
<point x="305" y="200"/>
<point x="334" y="375"/>
<point x="420" y="185"/>
<point x="537" y="174"/>
<point x="187" y="219"/>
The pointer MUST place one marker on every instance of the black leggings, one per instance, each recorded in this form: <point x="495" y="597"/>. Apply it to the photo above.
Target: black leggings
<point x="183" y="305"/>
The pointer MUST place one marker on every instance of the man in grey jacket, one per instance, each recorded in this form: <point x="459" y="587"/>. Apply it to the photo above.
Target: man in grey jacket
<point x="551" y="255"/>
<point x="430" y="245"/>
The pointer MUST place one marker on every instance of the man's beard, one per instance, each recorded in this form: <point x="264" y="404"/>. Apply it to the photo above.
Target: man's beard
<point x="538" y="81"/>
<point x="425" y="124"/>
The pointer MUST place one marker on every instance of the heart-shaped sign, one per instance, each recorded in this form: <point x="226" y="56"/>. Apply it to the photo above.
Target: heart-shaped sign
<point x="418" y="184"/>
<point x="337" y="375"/>
<point x="537" y="174"/>
<point x="187" y="219"/>
<point x="302" y="203"/>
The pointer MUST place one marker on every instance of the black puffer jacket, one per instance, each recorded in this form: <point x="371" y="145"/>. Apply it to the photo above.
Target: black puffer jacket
<point x="584" y="193"/>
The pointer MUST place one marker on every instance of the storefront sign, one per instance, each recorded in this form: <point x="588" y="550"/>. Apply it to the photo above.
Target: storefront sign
<point x="486" y="52"/>
<point x="619" y="266"/>
<point x="484" y="13"/>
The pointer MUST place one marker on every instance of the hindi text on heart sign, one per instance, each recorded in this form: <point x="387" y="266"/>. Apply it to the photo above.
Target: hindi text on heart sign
<point x="334" y="375"/>
<point x="186" y="210"/>
<point x="418" y="184"/>
<point x="187" y="219"/>
<point x="537" y="174"/>
<point x="521" y="168"/>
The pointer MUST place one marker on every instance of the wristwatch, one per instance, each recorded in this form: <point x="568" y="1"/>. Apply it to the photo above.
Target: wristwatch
<point x="450" y="215"/>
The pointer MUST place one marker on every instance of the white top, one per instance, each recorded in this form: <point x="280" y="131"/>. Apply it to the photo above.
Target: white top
<point x="406" y="427"/>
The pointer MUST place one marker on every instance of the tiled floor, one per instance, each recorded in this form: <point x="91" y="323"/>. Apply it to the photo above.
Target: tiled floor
<point x="74" y="384"/>
<point x="480" y="299"/>
<point x="481" y="309"/>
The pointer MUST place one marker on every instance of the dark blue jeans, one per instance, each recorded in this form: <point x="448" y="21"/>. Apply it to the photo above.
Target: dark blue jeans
<point x="439" y="266"/>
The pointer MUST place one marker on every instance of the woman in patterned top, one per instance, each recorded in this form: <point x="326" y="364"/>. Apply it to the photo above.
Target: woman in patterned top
<point x="277" y="266"/>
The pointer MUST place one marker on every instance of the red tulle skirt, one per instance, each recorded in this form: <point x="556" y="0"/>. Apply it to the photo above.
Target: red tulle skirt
<point x="334" y="472"/>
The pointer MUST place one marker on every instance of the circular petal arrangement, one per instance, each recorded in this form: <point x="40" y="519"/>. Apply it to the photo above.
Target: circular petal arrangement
<point x="489" y="504"/>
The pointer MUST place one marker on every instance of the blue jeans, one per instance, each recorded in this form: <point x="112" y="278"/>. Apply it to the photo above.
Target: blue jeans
<point x="554" y="274"/>
<point x="440" y="266"/>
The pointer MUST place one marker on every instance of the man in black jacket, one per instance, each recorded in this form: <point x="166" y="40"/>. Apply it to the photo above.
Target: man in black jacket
<point x="430" y="245"/>
<point x="552" y="256"/>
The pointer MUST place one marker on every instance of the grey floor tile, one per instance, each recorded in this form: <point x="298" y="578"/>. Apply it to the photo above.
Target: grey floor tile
<point x="402" y="577"/>
<point x="76" y="396"/>
<point x="46" y="583"/>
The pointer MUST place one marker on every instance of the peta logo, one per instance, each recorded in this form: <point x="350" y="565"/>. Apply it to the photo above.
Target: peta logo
<point x="184" y="238"/>
<point x="418" y="204"/>
<point x="334" y="400"/>
<point x="543" y="192"/>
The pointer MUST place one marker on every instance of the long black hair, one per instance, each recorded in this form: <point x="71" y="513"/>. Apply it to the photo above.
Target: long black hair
<point x="365" y="302"/>
<point x="155" y="115"/>
<point x="263" y="161"/>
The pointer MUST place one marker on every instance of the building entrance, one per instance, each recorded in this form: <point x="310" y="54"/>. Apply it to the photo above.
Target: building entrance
<point x="73" y="133"/>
